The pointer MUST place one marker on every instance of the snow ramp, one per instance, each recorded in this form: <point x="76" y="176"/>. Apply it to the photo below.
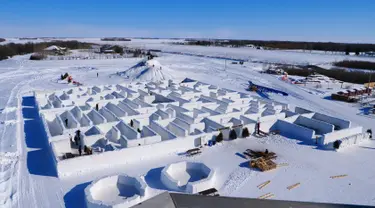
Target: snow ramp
<point x="147" y="70"/>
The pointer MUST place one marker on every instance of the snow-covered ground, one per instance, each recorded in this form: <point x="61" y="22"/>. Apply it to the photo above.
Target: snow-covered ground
<point x="28" y="177"/>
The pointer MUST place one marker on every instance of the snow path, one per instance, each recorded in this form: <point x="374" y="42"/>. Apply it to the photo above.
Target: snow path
<point x="9" y="131"/>
<point x="37" y="174"/>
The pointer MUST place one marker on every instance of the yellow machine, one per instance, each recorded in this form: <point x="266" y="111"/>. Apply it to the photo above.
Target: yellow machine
<point x="370" y="84"/>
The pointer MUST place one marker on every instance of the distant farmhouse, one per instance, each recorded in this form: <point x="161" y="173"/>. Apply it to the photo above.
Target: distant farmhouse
<point x="111" y="49"/>
<point x="55" y="50"/>
<point x="52" y="50"/>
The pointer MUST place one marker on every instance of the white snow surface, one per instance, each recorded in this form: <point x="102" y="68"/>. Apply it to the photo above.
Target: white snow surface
<point x="28" y="177"/>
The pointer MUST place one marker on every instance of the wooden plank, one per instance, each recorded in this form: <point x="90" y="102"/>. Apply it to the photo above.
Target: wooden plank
<point x="282" y="164"/>
<point x="192" y="150"/>
<point x="208" y="191"/>
<point x="266" y="196"/>
<point x="262" y="185"/>
<point x="338" y="176"/>
<point x="293" y="186"/>
<point x="269" y="196"/>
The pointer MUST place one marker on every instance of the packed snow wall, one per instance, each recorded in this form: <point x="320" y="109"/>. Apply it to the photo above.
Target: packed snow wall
<point x="338" y="135"/>
<point x="320" y="127"/>
<point x="294" y="131"/>
<point x="81" y="165"/>
<point x="339" y="123"/>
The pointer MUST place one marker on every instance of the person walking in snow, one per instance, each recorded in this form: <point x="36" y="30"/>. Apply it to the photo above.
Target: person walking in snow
<point x="97" y="74"/>
<point x="97" y="107"/>
<point x="78" y="141"/>
<point x="66" y="122"/>
<point x="369" y="132"/>
<point x="257" y="127"/>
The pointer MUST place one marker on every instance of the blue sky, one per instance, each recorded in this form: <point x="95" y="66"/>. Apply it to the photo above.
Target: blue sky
<point x="311" y="20"/>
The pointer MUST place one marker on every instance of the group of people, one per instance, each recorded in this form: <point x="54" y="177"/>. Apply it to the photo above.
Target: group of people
<point x="77" y="142"/>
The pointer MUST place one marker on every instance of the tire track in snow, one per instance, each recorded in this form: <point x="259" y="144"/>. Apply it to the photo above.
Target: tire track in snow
<point x="11" y="188"/>
<point x="9" y="160"/>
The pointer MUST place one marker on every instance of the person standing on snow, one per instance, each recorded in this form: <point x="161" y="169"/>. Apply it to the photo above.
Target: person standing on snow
<point x="71" y="141"/>
<point x="78" y="141"/>
<point x="257" y="126"/>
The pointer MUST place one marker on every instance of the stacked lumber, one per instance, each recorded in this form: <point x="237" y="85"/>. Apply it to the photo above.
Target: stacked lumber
<point x="264" y="165"/>
<point x="261" y="160"/>
<point x="258" y="154"/>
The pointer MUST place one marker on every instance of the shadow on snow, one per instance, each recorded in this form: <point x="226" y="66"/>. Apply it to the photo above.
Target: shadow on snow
<point x="39" y="157"/>
<point x="75" y="198"/>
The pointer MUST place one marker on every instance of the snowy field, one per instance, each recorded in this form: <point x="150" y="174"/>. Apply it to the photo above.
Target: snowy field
<point x="28" y="177"/>
<point x="245" y="53"/>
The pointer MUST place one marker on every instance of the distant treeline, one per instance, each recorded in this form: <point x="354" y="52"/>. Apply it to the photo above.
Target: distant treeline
<point x="115" y="39"/>
<point x="12" y="49"/>
<point x="289" y="45"/>
<point x="358" y="77"/>
<point x="356" y="64"/>
<point x="2" y="40"/>
<point x="28" y="38"/>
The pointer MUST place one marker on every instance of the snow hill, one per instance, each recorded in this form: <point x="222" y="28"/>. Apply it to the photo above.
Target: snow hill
<point x="147" y="70"/>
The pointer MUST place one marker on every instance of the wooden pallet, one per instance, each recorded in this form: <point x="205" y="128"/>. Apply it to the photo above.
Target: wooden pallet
<point x="265" y="165"/>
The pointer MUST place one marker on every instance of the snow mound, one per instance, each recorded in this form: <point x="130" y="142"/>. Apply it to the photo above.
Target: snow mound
<point x="150" y="70"/>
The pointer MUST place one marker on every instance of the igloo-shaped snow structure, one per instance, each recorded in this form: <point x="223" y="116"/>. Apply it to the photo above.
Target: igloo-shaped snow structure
<point x="189" y="177"/>
<point x="116" y="191"/>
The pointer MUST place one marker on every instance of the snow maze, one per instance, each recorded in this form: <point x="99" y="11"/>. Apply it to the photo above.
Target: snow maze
<point x="144" y="120"/>
<point x="189" y="177"/>
<point x="115" y="191"/>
